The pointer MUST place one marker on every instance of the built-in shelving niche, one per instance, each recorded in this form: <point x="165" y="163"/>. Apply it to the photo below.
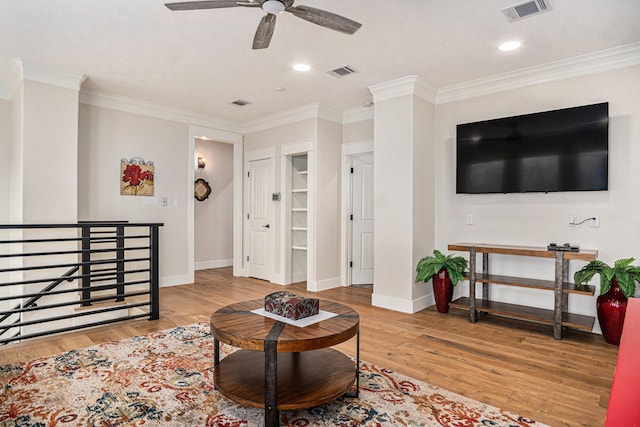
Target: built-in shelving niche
<point x="299" y="216"/>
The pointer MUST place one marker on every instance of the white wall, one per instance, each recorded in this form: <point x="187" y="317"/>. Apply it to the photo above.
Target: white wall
<point x="326" y="138"/>
<point x="49" y="149"/>
<point x="214" y="216"/>
<point x="423" y="187"/>
<point x="105" y="137"/>
<point x="297" y="132"/>
<point x="357" y="131"/>
<point x="393" y="203"/>
<point x="537" y="219"/>
<point x="15" y="156"/>
<point x="5" y="144"/>
<point x="327" y="203"/>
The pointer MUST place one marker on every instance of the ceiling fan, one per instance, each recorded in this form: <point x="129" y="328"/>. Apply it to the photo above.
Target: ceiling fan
<point x="274" y="7"/>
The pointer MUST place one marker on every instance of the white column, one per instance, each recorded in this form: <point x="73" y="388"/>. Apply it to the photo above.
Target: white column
<point x="403" y="191"/>
<point x="44" y="154"/>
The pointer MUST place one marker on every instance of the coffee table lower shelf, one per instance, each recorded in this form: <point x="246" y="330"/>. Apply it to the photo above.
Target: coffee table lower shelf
<point x="305" y="379"/>
<point x="570" y="320"/>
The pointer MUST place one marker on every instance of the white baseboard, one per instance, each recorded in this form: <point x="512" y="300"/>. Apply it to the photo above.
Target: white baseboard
<point x="299" y="277"/>
<point x="323" y="285"/>
<point x="182" y="279"/>
<point x="401" y="305"/>
<point x="218" y="263"/>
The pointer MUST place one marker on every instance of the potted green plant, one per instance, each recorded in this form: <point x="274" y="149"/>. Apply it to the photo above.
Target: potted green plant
<point x="446" y="271"/>
<point x="617" y="284"/>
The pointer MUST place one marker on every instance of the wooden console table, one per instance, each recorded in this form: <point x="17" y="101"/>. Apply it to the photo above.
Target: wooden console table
<point x="559" y="316"/>
<point x="282" y="366"/>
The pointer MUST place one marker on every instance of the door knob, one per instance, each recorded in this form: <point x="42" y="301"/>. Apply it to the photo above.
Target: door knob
<point x="266" y="226"/>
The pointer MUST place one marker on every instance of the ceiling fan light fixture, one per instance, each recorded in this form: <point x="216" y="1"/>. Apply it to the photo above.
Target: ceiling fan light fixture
<point x="273" y="7"/>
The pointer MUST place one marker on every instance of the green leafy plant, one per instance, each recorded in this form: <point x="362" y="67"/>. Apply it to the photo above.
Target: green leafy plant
<point x="626" y="274"/>
<point x="430" y="265"/>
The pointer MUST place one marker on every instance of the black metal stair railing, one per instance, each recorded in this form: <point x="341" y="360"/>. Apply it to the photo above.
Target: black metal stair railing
<point x="31" y="302"/>
<point x="112" y="270"/>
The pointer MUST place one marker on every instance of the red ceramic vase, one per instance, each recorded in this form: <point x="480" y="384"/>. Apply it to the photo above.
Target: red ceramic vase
<point x="611" y="308"/>
<point x="442" y="290"/>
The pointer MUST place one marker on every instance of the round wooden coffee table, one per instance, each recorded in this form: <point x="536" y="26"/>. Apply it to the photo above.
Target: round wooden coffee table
<point x="282" y="366"/>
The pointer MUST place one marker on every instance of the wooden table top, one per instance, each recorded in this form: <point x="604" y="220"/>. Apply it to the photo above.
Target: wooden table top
<point x="237" y="326"/>
<point x="534" y="251"/>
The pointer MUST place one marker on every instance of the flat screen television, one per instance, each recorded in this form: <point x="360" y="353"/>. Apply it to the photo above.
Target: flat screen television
<point x="559" y="150"/>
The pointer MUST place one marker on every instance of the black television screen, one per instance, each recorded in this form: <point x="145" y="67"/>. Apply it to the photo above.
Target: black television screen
<point x="560" y="150"/>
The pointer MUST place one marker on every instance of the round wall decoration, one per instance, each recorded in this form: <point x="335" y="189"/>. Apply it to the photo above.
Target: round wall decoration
<point x="202" y="189"/>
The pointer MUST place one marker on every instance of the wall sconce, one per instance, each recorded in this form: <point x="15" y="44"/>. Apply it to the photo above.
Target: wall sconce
<point x="201" y="162"/>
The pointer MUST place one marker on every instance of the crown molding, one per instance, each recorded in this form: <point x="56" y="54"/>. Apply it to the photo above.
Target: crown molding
<point x="330" y="114"/>
<point x="356" y="115"/>
<point x="23" y="70"/>
<point x="605" y="60"/>
<point x="409" y="85"/>
<point x="310" y="111"/>
<point x="136" y="106"/>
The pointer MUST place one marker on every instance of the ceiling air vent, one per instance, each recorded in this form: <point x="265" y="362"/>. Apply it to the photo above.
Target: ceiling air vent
<point x="240" y="102"/>
<point x="342" y="71"/>
<point x="526" y="9"/>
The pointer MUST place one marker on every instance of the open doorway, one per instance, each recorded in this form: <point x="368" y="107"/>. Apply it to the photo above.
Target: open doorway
<point x="213" y="214"/>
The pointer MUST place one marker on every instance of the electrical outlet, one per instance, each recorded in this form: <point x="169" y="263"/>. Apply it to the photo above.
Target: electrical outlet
<point x="572" y="220"/>
<point x="469" y="219"/>
<point x="595" y="221"/>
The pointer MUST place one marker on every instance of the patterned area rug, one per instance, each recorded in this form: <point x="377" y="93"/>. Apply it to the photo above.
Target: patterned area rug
<point x="165" y="379"/>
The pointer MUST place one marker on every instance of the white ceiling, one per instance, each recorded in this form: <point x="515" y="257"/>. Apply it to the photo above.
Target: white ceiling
<point x="201" y="61"/>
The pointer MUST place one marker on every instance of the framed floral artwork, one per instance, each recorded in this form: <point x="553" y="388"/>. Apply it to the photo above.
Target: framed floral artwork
<point x="136" y="177"/>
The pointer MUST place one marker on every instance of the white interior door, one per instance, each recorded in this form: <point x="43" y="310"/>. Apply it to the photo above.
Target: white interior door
<point x="362" y="223"/>
<point x="259" y="219"/>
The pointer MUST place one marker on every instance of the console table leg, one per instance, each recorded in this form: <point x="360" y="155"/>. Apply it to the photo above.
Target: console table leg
<point x="558" y="297"/>
<point x="473" y="314"/>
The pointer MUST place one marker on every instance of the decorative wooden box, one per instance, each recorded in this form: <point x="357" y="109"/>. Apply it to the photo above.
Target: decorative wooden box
<point x="290" y="305"/>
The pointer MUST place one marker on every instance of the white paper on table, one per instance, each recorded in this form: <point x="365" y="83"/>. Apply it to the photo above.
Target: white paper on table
<point x="301" y="323"/>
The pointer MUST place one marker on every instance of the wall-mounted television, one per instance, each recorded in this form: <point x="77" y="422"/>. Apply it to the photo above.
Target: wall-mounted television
<point x="559" y="150"/>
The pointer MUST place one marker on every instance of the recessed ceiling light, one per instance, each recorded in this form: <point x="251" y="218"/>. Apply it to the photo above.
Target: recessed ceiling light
<point x="302" y="67"/>
<point x="510" y="45"/>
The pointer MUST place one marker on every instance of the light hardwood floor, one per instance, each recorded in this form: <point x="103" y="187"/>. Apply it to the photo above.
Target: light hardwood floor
<point x="510" y="364"/>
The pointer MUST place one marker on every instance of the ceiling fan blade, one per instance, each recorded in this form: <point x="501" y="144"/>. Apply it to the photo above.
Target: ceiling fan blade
<point x="264" y="31"/>
<point x="325" y="19"/>
<point x="211" y="4"/>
